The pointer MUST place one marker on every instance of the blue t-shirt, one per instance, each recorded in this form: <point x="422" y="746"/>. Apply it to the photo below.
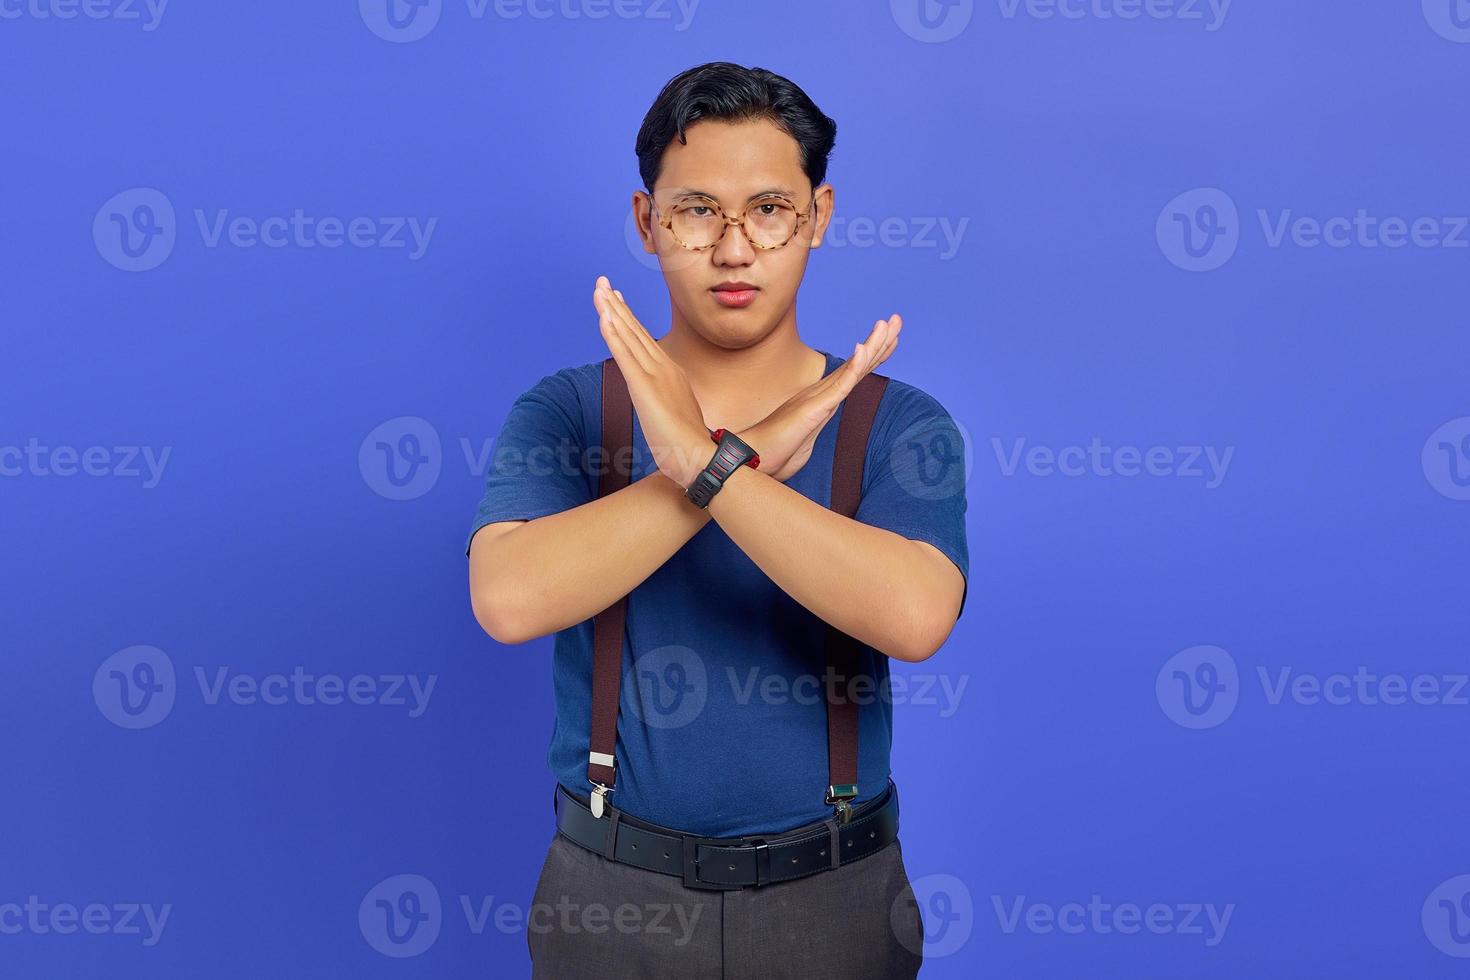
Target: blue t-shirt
<point x="722" y="723"/>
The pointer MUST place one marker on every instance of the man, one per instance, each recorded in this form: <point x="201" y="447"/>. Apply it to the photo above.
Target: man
<point x="753" y="645"/>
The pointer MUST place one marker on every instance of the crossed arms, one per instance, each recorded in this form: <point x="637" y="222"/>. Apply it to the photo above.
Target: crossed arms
<point x="531" y="578"/>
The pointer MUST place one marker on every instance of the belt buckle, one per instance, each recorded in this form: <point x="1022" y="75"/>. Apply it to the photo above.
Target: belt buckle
<point x="690" y="845"/>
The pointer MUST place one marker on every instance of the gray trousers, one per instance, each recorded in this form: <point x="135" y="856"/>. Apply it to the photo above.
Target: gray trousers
<point x="595" y="919"/>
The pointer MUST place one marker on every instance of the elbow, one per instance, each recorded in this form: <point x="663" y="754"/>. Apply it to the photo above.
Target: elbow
<point x="924" y="640"/>
<point x="496" y="617"/>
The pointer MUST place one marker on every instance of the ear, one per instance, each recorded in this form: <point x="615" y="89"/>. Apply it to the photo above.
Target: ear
<point x="822" y="196"/>
<point x="643" y="217"/>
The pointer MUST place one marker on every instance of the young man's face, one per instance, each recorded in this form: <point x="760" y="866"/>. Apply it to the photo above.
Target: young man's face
<point x="733" y="164"/>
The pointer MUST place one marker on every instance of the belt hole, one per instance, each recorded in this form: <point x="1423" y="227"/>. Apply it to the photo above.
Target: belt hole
<point x="666" y="853"/>
<point x="822" y="853"/>
<point x="730" y="866"/>
<point x="635" y="847"/>
<point x="849" y="843"/>
<point x="872" y="833"/>
<point x="793" y="860"/>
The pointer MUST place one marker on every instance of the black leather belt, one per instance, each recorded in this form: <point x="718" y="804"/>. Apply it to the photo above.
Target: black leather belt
<point x="724" y="863"/>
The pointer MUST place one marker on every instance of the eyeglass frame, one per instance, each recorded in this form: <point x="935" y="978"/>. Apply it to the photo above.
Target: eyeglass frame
<point x="666" y="223"/>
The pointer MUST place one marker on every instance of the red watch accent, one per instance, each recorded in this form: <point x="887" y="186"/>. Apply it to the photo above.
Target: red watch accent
<point x="755" y="460"/>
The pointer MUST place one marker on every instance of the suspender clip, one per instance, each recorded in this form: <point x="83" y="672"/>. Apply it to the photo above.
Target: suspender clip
<point x="598" y="800"/>
<point x="840" y="797"/>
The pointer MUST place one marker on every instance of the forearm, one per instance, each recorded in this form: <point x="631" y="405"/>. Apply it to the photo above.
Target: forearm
<point x="877" y="586"/>
<point x="556" y="571"/>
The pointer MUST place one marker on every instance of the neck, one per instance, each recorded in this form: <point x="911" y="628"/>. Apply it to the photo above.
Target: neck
<point x="737" y="388"/>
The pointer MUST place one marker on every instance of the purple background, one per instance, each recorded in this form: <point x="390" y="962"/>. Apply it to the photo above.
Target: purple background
<point x="1336" y="540"/>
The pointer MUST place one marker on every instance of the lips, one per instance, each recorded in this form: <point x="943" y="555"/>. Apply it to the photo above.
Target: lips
<point x="734" y="295"/>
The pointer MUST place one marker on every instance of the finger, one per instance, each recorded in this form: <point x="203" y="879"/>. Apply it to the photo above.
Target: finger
<point x="636" y="329"/>
<point x="897" y="325"/>
<point x="613" y="329"/>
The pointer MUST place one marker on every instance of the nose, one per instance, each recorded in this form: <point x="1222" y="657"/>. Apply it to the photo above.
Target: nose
<point x="734" y="249"/>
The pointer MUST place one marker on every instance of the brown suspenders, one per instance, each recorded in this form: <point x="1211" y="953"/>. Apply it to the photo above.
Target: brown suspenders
<point x="843" y="652"/>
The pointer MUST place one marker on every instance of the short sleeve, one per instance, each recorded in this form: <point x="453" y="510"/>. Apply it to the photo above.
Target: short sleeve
<point x="537" y="465"/>
<point x="914" y="475"/>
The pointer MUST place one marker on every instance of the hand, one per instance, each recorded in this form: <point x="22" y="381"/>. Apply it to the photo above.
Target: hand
<point x="668" y="412"/>
<point x="785" y="438"/>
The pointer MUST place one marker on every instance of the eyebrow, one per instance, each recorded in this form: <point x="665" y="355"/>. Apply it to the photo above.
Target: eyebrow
<point x="683" y="192"/>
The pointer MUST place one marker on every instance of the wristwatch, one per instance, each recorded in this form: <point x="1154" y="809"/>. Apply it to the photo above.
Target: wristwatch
<point x="731" y="454"/>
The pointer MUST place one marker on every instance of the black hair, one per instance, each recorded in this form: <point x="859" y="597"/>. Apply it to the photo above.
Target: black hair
<point x="721" y="90"/>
